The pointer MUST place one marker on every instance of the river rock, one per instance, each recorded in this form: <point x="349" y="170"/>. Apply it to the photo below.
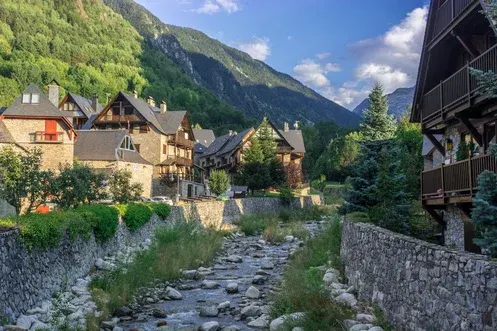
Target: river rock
<point x="159" y="313"/>
<point x="376" y="328"/>
<point x="277" y="324"/>
<point x="251" y="311"/>
<point x="210" y="311"/>
<point x="40" y="326"/>
<point x="14" y="328"/>
<point x="232" y="288"/>
<point x="266" y="265"/>
<point x="173" y="294"/>
<point x="365" y="318"/>
<point x="258" y="280"/>
<point x="161" y="323"/>
<point x="347" y="298"/>
<point x="231" y="328"/>
<point x="260" y="323"/>
<point x="210" y="326"/>
<point x="361" y="327"/>
<point x="224" y="305"/>
<point x="234" y="259"/>
<point x="190" y="274"/>
<point x="209" y="284"/>
<point x="25" y="321"/>
<point x="289" y="238"/>
<point x="253" y="293"/>
<point x="123" y="311"/>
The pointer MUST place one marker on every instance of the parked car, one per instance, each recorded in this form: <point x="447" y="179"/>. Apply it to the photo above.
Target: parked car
<point x="162" y="200"/>
<point x="144" y="199"/>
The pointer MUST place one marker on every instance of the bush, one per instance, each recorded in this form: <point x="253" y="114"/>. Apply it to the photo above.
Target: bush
<point x="137" y="214"/>
<point x="254" y="224"/>
<point x="285" y="215"/>
<point x="273" y="234"/>
<point x="218" y="181"/>
<point x="103" y="219"/>
<point x="161" y="209"/>
<point x="286" y="196"/>
<point x="121" y="209"/>
<point x="121" y="187"/>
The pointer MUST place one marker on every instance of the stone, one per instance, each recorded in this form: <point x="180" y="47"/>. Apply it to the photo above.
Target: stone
<point x="365" y="318"/>
<point x="231" y="328"/>
<point x="209" y="311"/>
<point x="253" y="293"/>
<point x="190" y="274"/>
<point x="40" y="326"/>
<point x="266" y="265"/>
<point x="349" y="323"/>
<point x="260" y="323"/>
<point x="232" y="288"/>
<point x="250" y="311"/>
<point x="347" y="298"/>
<point x="277" y="324"/>
<point x="159" y="313"/>
<point x="376" y="328"/>
<point x="289" y="238"/>
<point x="209" y="284"/>
<point x="361" y="327"/>
<point x="234" y="259"/>
<point x="173" y="294"/>
<point x="77" y="315"/>
<point x="330" y="278"/>
<point x="261" y="272"/>
<point x="26" y="321"/>
<point x="123" y="311"/>
<point x="117" y="328"/>
<point x="14" y="328"/>
<point x="104" y="265"/>
<point x="258" y="280"/>
<point x="108" y="324"/>
<point x="161" y="323"/>
<point x="210" y="326"/>
<point x="224" y="305"/>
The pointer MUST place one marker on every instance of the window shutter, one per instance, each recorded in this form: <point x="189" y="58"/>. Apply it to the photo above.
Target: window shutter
<point x="137" y="146"/>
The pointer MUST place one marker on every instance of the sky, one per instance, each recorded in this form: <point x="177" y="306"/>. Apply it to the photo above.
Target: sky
<point x="337" y="47"/>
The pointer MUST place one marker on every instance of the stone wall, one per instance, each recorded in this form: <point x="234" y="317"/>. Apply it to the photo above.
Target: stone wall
<point x="28" y="278"/>
<point x="420" y="286"/>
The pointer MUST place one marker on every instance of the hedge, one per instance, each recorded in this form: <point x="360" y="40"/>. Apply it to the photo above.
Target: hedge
<point x="161" y="209"/>
<point x="136" y="215"/>
<point x="103" y="219"/>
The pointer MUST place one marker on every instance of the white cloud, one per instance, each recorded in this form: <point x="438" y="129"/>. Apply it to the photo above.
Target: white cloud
<point x="323" y="56"/>
<point x="214" y="6"/>
<point x="313" y="73"/>
<point x="391" y="59"/>
<point x="257" y="48"/>
<point x="289" y="37"/>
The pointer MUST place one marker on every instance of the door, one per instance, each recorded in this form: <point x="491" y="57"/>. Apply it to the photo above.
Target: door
<point x="190" y="190"/>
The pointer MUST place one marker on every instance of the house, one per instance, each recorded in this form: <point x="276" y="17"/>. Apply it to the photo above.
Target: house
<point x="111" y="150"/>
<point x="164" y="138"/>
<point x="449" y="102"/>
<point x="33" y="120"/>
<point x="203" y="139"/>
<point x="80" y="109"/>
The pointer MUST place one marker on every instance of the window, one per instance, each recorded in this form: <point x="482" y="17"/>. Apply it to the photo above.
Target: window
<point x="69" y="106"/>
<point x="127" y="144"/>
<point x="35" y="98"/>
<point x="164" y="149"/>
<point x="489" y="134"/>
<point x="30" y="98"/>
<point x="143" y="128"/>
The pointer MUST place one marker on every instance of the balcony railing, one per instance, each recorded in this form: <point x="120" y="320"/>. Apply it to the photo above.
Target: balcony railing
<point x="179" y="161"/>
<point x="458" y="88"/>
<point x="456" y="179"/>
<point x="181" y="141"/>
<point x="48" y="137"/>
<point x="173" y="177"/>
<point x="284" y="149"/>
<point x="447" y="12"/>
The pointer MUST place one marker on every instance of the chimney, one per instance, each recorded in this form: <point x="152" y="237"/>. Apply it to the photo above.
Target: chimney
<point x="286" y="127"/>
<point x="296" y="125"/>
<point x="94" y="102"/>
<point x="53" y="93"/>
<point x="151" y="101"/>
<point x="135" y="94"/>
<point x="163" y="107"/>
<point x="230" y="132"/>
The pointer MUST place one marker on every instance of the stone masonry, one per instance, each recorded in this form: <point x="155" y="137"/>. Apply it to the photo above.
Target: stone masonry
<point x="420" y="286"/>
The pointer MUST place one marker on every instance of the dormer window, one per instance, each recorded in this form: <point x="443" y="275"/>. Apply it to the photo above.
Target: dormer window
<point x="35" y="98"/>
<point x="127" y="144"/>
<point x="30" y="98"/>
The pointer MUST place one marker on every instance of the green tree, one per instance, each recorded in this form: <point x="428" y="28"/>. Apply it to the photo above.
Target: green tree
<point x="218" y="181"/>
<point x="276" y="172"/>
<point x="254" y="153"/>
<point x="21" y="178"/>
<point x="78" y="185"/>
<point x="122" y="189"/>
<point x="255" y="175"/>
<point x="266" y="140"/>
<point x="377" y="124"/>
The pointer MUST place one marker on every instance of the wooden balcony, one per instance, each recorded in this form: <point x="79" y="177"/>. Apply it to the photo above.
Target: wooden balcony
<point x="284" y="150"/>
<point x="120" y="119"/>
<point x="173" y="177"/>
<point x="48" y="137"/>
<point x="459" y="89"/>
<point x="181" y="141"/>
<point x="456" y="180"/>
<point x="447" y="12"/>
<point x="177" y="160"/>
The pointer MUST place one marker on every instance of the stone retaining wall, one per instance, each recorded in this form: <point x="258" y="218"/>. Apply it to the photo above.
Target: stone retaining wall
<point x="420" y="286"/>
<point x="28" y="278"/>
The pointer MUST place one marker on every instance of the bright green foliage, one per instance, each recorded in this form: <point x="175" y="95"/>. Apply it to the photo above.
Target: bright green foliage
<point x="254" y="153"/>
<point x="137" y="215"/>
<point x="286" y="196"/>
<point x="377" y="124"/>
<point x="218" y="181"/>
<point x="78" y="185"/>
<point x="266" y="140"/>
<point x="161" y="209"/>
<point x="122" y="189"/>
<point x="103" y="219"/>
<point x="21" y="177"/>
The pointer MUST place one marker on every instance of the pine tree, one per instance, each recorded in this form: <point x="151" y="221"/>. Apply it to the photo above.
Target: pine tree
<point x="377" y="124"/>
<point x="254" y="153"/>
<point x="268" y="144"/>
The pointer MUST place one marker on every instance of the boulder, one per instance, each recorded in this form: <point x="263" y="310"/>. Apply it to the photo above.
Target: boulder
<point x="277" y="324"/>
<point x="253" y="293"/>
<point x="251" y="311"/>
<point x="210" y="326"/>
<point x="260" y="323"/>
<point x="232" y="288"/>
<point x="258" y="280"/>
<point x="234" y="259"/>
<point x="173" y="294"/>
<point x="224" y="305"/>
<point x="289" y="238"/>
<point x="40" y="326"/>
<point x="266" y="265"/>
<point x="209" y="311"/>
<point x="123" y="311"/>
<point x="361" y="327"/>
<point x="159" y="313"/>
<point x="209" y="284"/>
<point x="14" y="328"/>
<point x="161" y="323"/>
<point x="25" y="321"/>
<point x="365" y="318"/>
<point x="231" y="328"/>
<point x="190" y="274"/>
<point x="347" y="298"/>
<point x="376" y="328"/>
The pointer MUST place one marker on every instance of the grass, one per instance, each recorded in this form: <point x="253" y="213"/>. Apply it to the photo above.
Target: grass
<point x="179" y="246"/>
<point x="303" y="289"/>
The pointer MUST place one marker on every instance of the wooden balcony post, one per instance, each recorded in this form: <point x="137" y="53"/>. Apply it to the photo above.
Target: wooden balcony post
<point x="468" y="72"/>
<point x="470" y="176"/>
<point x="443" y="182"/>
<point x="452" y="10"/>
<point x="441" y="101"/>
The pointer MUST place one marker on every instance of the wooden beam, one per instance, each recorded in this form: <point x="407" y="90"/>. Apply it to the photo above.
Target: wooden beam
<point x="436" y="143"/>
<point x="433" y="131"/>
<point x="472" y="130"/>
<point x="465" y="208"/>
<point x="467" y="44"/>
<point x="436" y="216"/>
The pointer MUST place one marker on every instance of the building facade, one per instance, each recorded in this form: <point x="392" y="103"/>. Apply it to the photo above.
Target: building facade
<point x="454" y="113"/>
<point x="80" y="110"/>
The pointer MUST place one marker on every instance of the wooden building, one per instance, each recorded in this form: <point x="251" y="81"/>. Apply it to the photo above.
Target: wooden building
<point x="451" y="108"/>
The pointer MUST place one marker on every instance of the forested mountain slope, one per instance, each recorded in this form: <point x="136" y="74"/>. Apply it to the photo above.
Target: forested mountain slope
<point x="232" y="75"/>
<point x="398" y="101"/>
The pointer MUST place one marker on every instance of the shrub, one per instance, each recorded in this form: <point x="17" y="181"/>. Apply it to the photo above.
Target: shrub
<point x="121" y="187"/>
<point x="218" y="181"/>
<point x="273" y="234"/>
<point x="103" y="219"/>
<point x="251" y="225"/>
<point x="311" y="213"/>
<point x="137" y="214"/>
<point x="121" y="209"/>
<point x="161" y="209"/>
<point x="286" y="196"/>
<point x="285" y="215"/>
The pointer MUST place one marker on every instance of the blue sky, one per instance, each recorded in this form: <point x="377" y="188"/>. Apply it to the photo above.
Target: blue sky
<point x="337" y="47"/>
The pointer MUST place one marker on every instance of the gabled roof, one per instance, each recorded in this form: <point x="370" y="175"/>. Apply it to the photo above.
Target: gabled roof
<point x="216" y="145"/>
<point x="234" y="141"/>
<point x="170" y="121"/>
<point x="204" y="136"/>
<point x="294" y="139"/>
<point x="104" y="145"/>
<point x="85" y="105"/>
<point x="44" y="108"/>
<point x="5" y="136"/>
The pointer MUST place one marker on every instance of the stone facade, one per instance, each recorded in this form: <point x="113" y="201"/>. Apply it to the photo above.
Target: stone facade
<point x="420" y="286"/>
<point x="6" y="209"/>
<point x="28" y="278"/>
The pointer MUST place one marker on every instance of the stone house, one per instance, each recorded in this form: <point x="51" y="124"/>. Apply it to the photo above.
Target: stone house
<point x="80" y="109"/>
<point x="203" y="139"/>
<point x="33" y="121"/>
<point x="111" y="150"/>
<point x="452" y="109"/>
<point x="164" y="138"/>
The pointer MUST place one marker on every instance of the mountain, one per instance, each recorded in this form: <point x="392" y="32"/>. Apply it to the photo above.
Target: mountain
<point x="232" y="75"/>
<point x="397" y="102"/>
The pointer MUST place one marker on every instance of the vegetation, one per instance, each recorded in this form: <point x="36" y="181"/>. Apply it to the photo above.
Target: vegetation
<point x="377" y="124"/>
<point x="137" y="215"/>
<point x="161" y="209"/>
<point x="122" y="189"/>
<point x="303" y="288"/>
<point x="218" y="181"/>
<point x="177" y="247"/>
<point x="286" y="196"/>
<point x="103" y="219"/>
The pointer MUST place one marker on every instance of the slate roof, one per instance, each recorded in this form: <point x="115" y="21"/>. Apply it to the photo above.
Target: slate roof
<point x="5" y="136"/>
<point x="216" y="145"/>
<point x="204" y="136"/>
<point x="86" y="105"/>
<point x="170" y="121"/>
<point x="234" y="141"/>
<point x="104" y="145"/>
<point x="42" y="109"/>
<point x="295" y="139"/>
